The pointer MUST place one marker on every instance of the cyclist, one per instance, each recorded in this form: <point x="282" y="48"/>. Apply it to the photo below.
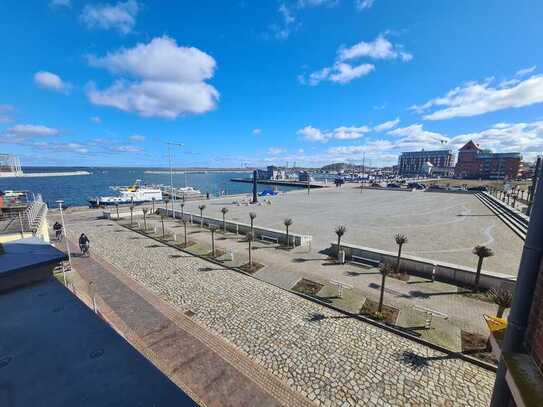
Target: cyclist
<point x="84" y="243"/>
<point x="57" y="227"/>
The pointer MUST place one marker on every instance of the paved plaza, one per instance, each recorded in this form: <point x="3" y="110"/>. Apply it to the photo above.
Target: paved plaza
<point x="319" y="353"/>
<point x="440" y="226"/>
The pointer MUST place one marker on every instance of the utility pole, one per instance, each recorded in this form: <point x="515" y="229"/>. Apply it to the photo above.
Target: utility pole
<point x="170" y="144"/>
<point x="60" y="202"/>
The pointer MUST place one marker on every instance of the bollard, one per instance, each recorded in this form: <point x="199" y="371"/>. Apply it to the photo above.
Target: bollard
<point x="155" y="229"/>
<point x="428" y="323"/>
<point x="175" y="237"/>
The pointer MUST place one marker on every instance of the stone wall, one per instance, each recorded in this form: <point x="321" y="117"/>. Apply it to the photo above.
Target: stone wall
<point x="419" y="266"/>
<point x="243" y="228"/>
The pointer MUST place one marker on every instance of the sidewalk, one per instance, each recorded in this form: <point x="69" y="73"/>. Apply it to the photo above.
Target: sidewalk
<point x="210" y="370"/>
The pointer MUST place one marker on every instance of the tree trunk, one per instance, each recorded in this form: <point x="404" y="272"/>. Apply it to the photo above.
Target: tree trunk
<point x="398" y="259"/>
<point x="131" y="212"/>
<point x="381" y="297"/>
<point x="250" y="255"/>
<point x="338" y="246"/>
<point x="144" y="223"/>
<point x="500" y="312"/>
<point x="287" y="238"/>
<point x="163" y="233"/>
<point x="224" y="223"/>
<point x="185" y="227"/>
<point x="478" y="274"/>
<point x="212" y="244"/>
<point x="201" y="219"/>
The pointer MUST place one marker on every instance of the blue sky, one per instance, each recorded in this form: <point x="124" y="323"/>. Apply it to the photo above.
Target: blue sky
<point x="310" y="81"/>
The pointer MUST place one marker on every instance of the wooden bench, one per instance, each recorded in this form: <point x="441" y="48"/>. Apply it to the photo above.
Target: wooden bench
<point x="365" y="261"/>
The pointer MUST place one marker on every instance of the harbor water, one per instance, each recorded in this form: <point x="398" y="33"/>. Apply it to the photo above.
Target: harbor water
<point x="76" y="190"/>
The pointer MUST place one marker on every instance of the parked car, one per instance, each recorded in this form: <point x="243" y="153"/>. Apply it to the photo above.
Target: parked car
<point x="416" y="185"/>
<point x="456" y="188"/>
<point x="392" y="185"/>
<point x="480" y="188"/>
<point x="436" y="187"/>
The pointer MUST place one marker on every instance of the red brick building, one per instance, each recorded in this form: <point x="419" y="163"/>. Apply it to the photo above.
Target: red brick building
<point x="474" y="162"/>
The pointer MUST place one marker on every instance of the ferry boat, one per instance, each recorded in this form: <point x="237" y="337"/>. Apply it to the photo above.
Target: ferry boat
<point x="136" y="194"/>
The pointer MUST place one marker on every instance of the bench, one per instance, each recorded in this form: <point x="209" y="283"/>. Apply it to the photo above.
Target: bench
<point x="270" y="238"/>
<point x="365" y="261"/>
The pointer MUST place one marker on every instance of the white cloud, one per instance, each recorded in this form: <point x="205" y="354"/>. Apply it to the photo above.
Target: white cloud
<point x="137" y="137"/>
<point x="120" y="16"/>
<point x="49" y="80"/>
<point x="31" y="130"/>
<point x="526" y="71"/>
<point x="125" y="149"/>
<point x="380" y="48"/>
<point x="317" y="3"/>
<point x="257" y="131"/>
<point x="344" y="70"/>
<point x="60" y="3"/>
<point x="387" y="125"/>
<point x="61" y="147"/>
<point x="96" y="120"/>
<point x="311" y="133"/>
<point x="376" y="146"/>
<point x="169" y="80"/>
<point x="363" y="4"/>
<point x="276" y="150"/>
<point x="283" y="30"/>
<point x="473" y="98"/>
<point x="6" y="112"/>
<point x="415" y="137"/>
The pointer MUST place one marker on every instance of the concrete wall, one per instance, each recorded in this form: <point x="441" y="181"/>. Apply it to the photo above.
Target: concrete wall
<point x="419" y="266"/>
<point x="243" y="228"/>
<point x="137" y="213"/>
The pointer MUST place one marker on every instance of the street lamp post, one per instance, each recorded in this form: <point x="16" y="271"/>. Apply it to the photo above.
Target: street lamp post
<point x="60" y="202"/>
<point x="170" y="144"/>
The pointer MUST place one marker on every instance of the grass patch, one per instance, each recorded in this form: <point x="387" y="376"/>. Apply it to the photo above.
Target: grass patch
<point x="251" y="269"/>
<point x="388" y="314"/>
<point x="218" y="253"/>
<point x="308" y="287"/>
<point x="481" y="295"/>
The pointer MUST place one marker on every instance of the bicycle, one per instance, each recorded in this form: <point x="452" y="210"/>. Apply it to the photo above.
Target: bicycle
<point x="58" y="235"/>
<point x="85" y="250"/>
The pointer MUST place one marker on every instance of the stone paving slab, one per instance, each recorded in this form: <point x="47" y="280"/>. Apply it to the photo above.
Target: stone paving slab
<point x="212" y="372"/>
<point x="331" y="359"/>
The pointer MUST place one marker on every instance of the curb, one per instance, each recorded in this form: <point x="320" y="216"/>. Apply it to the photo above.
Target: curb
<point x="457" y="355"/>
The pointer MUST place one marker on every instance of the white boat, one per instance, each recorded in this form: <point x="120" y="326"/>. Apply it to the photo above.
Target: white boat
<point x="136" y="194"/>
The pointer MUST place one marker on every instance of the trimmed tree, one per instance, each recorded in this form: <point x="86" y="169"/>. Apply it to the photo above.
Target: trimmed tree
<point x="482" y="252"/>
<point x="166" y="204"/>
<point x="212" y="229"/>
<point x="250" y="238"/>
<point x="162" y="221"/>
<point x="502" y="297"/>
<point x="145" y="210"/>
<point x="400" y="241"/>
<point x="385" y="269"/>
<point x="252" y="217"/>
<point x="185" y="230"/>
<point x="182" y="209"/>
<point x="131" y="214"/>
<point x="224" y="211"/>
<point x="201" y="207"/>
<point x="340" y="231"/>
<point x="287" y="222"/>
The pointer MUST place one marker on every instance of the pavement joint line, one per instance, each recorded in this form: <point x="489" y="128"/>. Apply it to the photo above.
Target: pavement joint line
<point x="361" y="318"/>
<point x="229" y="353"/>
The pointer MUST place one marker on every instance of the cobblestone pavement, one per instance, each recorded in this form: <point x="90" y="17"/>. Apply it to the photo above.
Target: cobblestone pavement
<point x="330" y="359"/>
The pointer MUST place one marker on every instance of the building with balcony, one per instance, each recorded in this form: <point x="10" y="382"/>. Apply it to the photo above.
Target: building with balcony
<point x="416" y="163"/>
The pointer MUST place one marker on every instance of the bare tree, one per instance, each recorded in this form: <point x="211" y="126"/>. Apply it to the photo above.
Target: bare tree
<point x="250" y="238"/>
<point x="385" y="269"/>
<point x="145" y="210"/>
<point x="287" y="222"/>
<point x="201" y="207"/>
<point x="340" y="231"/>
<point x="224" y="211"/>
<point x="182" y="209"/>
<point x="252" y="217"/>
<point x="502" y="297"/>
<point x="185" y="230"/>
<point x="162" y="221"/>
<point x="481" y="252"/>
<point x="213" y="229"/>
<point x="400" y="241"/>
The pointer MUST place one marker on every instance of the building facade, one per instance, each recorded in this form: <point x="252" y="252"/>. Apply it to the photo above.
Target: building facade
<point x="416" y="162"/>
<point x="474" y="162"/>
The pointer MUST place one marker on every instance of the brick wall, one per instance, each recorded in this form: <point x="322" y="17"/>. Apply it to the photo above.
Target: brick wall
<point x="535" y="327"/>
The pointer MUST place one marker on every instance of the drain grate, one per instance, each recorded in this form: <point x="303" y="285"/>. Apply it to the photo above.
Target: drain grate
<point x="190" y="313"/>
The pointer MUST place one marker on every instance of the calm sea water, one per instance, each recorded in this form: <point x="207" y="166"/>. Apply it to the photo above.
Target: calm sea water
<point x="75" y="190"/>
